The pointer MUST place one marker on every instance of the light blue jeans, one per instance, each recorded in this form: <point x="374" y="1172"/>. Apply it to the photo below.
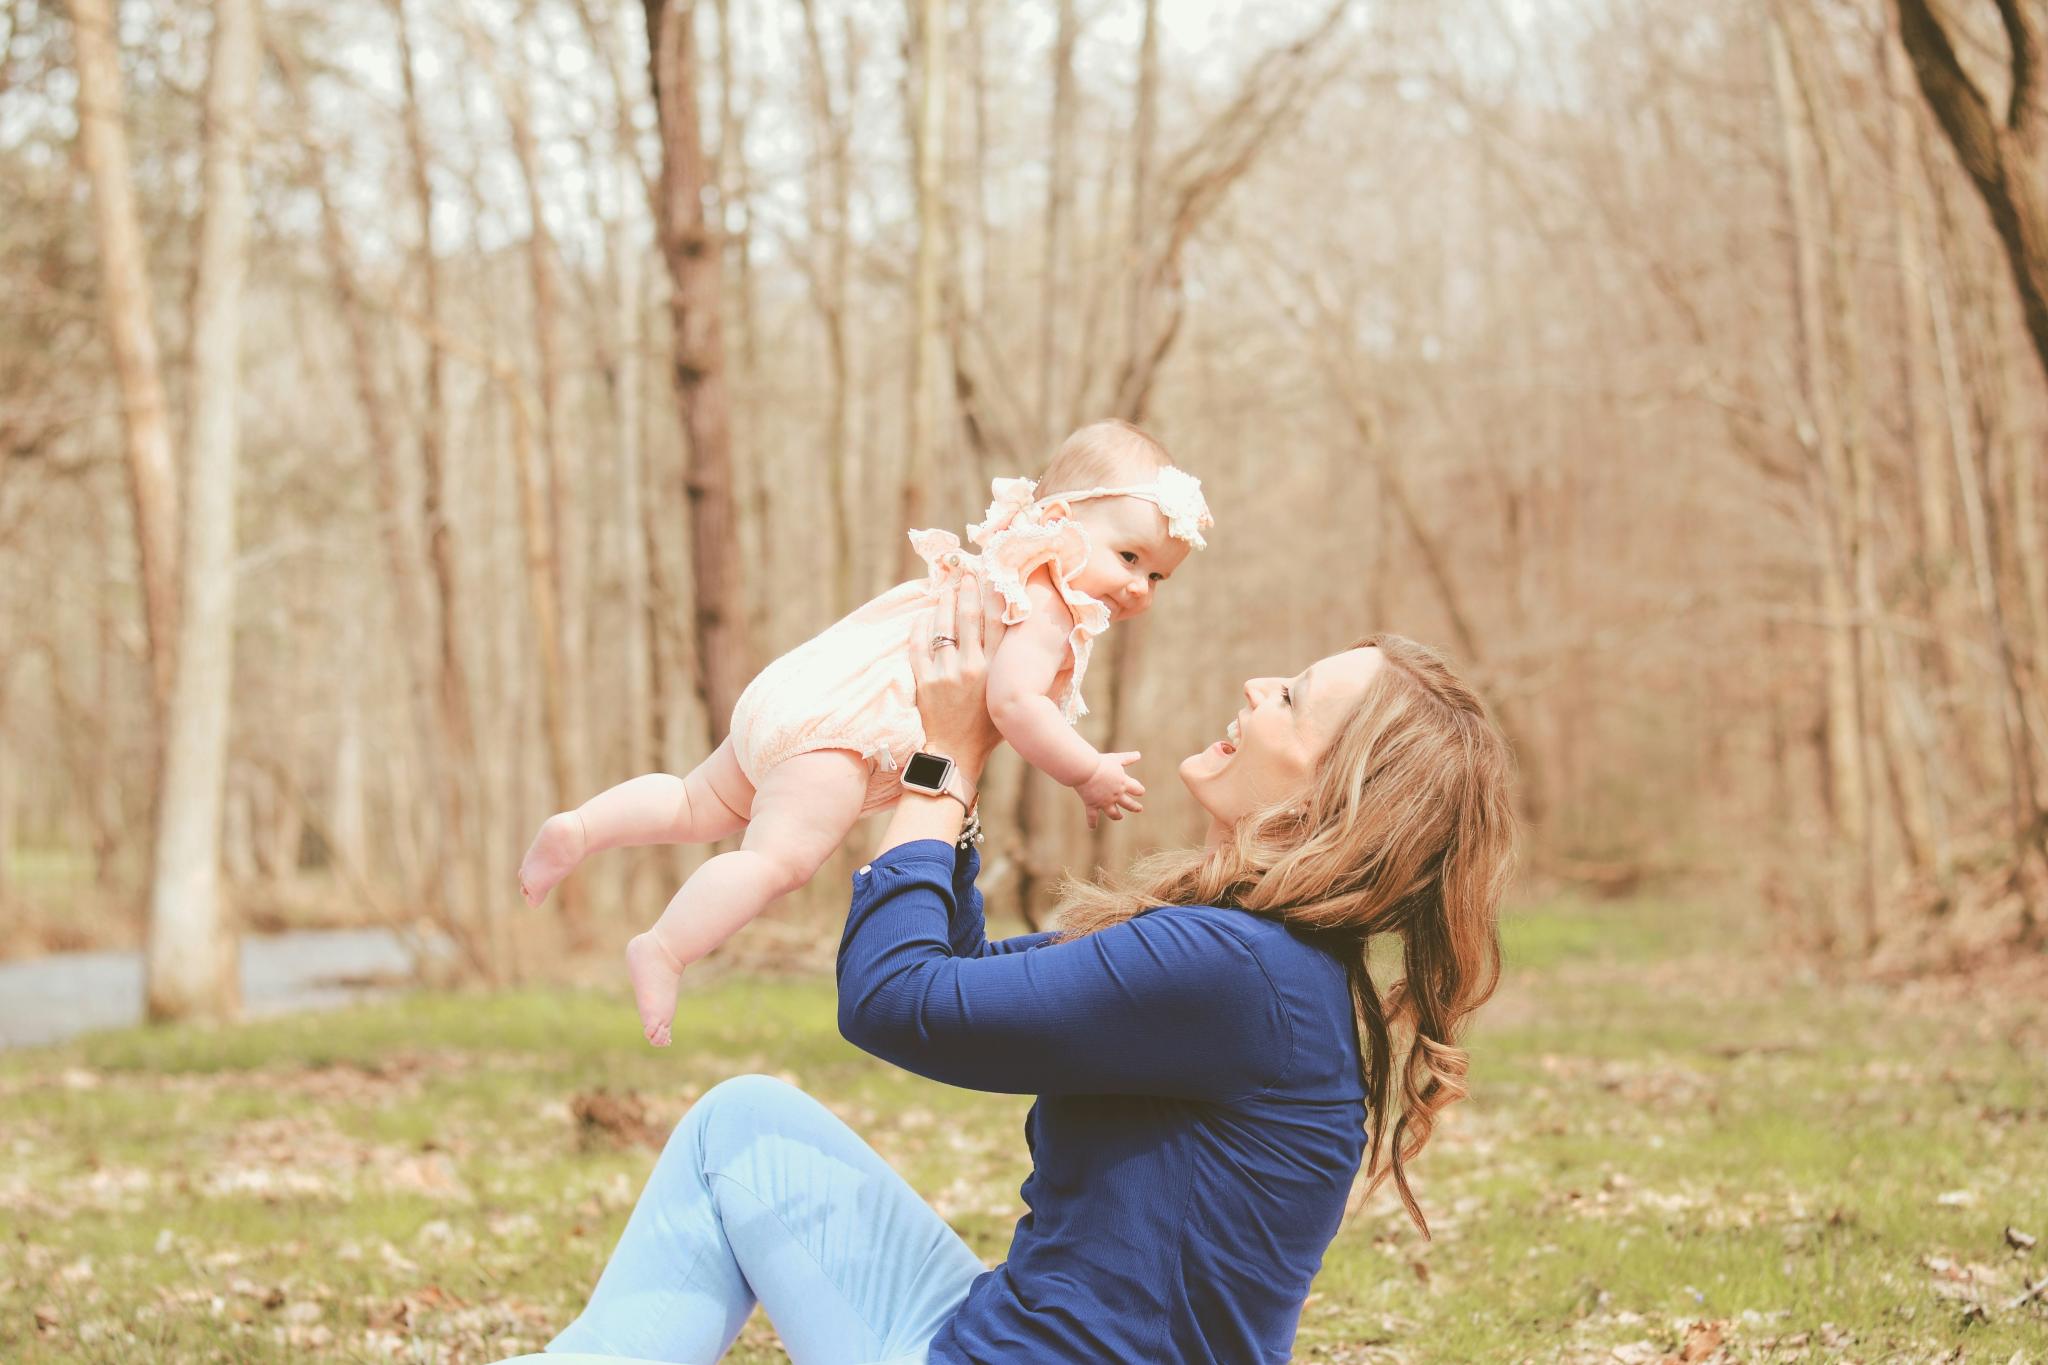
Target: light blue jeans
<point x="762" y="1195"/>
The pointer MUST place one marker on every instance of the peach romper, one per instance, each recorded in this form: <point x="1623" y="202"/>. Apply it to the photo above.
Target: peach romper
<point x="851" y="687"/>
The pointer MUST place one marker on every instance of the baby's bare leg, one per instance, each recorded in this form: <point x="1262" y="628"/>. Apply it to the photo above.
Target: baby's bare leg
<point x="659" y="808"/>
<point x="803" y="811"/>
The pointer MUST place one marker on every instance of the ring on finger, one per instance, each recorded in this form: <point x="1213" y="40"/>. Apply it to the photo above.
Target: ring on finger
<point x="939" y="642"/>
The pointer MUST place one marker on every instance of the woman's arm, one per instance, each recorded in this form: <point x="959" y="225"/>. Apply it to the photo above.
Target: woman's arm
<point x="967" y="926"/>
<point x="1169" y="1003"/>
<point x="952" y="702"/>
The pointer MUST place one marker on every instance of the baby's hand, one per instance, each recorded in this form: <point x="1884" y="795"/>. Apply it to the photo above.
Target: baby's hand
<point x="1109" y="790"/>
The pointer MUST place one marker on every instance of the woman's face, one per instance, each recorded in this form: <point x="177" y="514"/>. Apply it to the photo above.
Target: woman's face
<point x="1270" y="749"/>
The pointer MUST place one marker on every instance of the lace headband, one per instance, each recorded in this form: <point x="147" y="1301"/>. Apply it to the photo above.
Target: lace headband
<point x="1175" y="492"/>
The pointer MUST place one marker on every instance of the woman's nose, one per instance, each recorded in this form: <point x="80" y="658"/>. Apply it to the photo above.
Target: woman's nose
<point x="1254" y="689"/>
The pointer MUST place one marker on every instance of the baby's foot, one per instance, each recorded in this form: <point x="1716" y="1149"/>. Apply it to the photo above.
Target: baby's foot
<point x="555" y="852"/>
<point x="656" y="978"/>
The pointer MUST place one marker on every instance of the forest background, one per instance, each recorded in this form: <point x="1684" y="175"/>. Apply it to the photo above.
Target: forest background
<point x="414" y="418"/>
<point x="469" y="405"/>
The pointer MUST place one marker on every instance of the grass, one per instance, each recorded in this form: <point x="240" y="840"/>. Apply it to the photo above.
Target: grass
<point x="1672" y="1147"/>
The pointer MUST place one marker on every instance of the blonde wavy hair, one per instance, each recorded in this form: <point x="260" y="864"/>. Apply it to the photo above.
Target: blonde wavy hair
<point x="1408" y="830"/>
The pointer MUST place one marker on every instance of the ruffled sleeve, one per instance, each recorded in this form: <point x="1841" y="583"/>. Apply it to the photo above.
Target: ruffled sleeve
<point x="1011" y="556"/>
<point x="940" y="550"/>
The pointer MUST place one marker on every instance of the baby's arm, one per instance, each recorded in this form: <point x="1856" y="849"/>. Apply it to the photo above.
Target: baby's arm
<point x="1020" y="679"/>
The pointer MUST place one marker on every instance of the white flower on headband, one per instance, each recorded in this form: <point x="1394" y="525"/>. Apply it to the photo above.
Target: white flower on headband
<point x="1187" y="511"/>
<point x="1011" y="497"/>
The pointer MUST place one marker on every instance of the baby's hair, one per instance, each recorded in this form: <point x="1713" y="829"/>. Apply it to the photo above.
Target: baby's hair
<point x="1103" y="453"/>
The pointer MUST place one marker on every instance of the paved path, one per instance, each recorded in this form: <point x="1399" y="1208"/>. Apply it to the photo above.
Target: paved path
<point x="48" y="999"/>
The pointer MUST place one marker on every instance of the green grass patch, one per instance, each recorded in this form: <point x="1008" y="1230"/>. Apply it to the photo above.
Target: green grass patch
<point x="1660" y="1134"/>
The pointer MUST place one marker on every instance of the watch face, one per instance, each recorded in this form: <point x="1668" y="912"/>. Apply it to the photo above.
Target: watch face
<point x="927" y="771"/>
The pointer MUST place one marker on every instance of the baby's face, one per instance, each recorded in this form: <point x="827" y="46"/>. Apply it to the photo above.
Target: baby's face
<point x="1130" y="554"/>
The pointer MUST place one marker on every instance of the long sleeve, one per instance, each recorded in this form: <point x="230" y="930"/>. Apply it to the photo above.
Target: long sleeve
<point x="967" y="929"/>
<point x="1170" y="1003"/>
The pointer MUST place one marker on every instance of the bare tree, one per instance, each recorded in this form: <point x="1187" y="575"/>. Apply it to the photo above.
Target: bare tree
<point x="831" y="203"/>
<point x="192" y="959"/>
<point x="1274" y="93"/>
<point x="404" y="567"/>
<point x="690" y="246"/>
<point x="1059" y="192"/>
<point x="1838" y="471"/>
<point x="561" y="457"/>
<point x="928" y="326"/>
<point x="131" y="332"/>
<point x="452" y="704"/>
<point x="559" y="549"/>
<point x="2006" y="157"/>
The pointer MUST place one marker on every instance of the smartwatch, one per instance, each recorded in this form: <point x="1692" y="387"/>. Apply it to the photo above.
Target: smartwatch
<point x="937" y="775"/>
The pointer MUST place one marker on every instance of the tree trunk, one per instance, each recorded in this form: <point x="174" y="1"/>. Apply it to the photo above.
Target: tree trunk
<point x="562" y="552"/>
<point x="736" y="198"/>
<point x="1058" y="195"/>
<point x="1033" y="858"/>
<point x="542" y="586"/>
<point x="629" y="384"/>
<point x="754" y="480"/>
<point x="10" y="765"/>
<point x="622" y="358"/>
<point x="404" y="569"/>
<point x="1959" y="320"/>
<point x="1831" y="497"/>
<point x="1880" y="667"/>
<point x="690" y="246"/>
<point x="1936" y="519"/>
<point x="1126" y="647"/>
<point x="929" y="325"/>
<point x="192" y="967"/>
<point x="977" y="299"/>
<point x="565" y="510"/>
<point x="2007" y="159"/>
<point x="127" y="309"/>
<point x="347" y="825"/>
<point x="831" y="208"/>
<point x="463" y="865"/>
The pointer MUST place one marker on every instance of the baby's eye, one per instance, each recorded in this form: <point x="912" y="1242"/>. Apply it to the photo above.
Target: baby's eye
<point x="1129" y="558"/>
<point x="1159" y="578"/>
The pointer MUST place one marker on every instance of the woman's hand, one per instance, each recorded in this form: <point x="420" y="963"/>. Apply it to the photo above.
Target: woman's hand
<point x="952" y="681"/>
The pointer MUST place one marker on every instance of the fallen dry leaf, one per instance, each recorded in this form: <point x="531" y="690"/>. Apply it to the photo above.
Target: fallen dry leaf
<point x="1702" y="1340"/>
<point x="2017" y="1240"/>
<point x="603" y="1118"/>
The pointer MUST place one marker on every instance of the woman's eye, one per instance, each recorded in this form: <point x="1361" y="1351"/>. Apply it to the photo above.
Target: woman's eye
<point x="1129" y="558"/>
<point x="1286" y="697"/>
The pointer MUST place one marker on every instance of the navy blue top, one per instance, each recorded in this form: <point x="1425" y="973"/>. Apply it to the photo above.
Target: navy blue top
<point x="1199" y="1117"/>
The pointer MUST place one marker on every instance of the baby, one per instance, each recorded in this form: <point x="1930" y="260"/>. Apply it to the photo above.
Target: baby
<point x="819" y="736"/>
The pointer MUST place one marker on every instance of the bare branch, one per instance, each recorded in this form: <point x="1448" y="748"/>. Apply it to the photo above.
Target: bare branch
<point x="2024" y="36"/>
<point x="1964" y="112"/>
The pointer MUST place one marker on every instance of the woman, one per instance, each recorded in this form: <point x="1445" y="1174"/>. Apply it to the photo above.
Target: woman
<point x="1207" y="1072"/>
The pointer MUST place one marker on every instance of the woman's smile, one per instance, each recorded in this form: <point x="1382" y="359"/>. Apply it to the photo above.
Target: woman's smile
<point x="1269" y="749"/>
<point x="1226" y="746"/>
